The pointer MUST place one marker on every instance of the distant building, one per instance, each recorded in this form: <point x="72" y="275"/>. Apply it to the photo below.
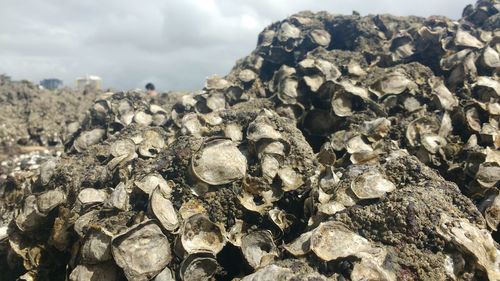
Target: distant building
<point x="89" y="81"/>
<point x="51" y="84"/>
<point x="4" y="79"/>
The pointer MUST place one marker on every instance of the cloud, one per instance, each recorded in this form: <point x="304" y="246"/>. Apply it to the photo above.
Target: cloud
<point x="175" y="44"/>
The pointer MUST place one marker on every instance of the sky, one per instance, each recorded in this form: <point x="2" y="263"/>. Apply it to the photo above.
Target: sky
<point x="176" y="44"/>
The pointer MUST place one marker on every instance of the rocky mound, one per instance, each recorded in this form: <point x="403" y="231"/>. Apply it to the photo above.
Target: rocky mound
<point x="342" y="148"/>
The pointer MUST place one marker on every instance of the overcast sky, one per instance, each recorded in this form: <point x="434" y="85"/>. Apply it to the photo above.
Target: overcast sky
<point x="174" y="43"/>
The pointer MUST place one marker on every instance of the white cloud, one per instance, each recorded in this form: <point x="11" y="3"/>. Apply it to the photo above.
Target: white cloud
<point x="175" y="44"/>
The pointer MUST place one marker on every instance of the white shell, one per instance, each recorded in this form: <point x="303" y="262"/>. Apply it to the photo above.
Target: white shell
<point x="29" y="218"/>
<point x="49" y="200"/>
<point x="288" y="31"/>
<point x="216" y="83"/>
<point x="235" y="233"/>
<point x="234" y="132"/>
<point x="151" y="181"/>
<point x="165" y="275"/>
<point x="152" y="144"/>
<point x="119" y="198"/>
<point x="271" y="272"/>
<point x="191" y="125"/>
<point x="270" y="167"/>
<point x="392" y="84"/>
<point x="258" y="248"/>
<point x="371" y="185"/>
<point x="314" y="82"/>
<point x="142" y="118"/>
<point x="89" y="196"/>
<point x="261" y="129"/>
<point x="122" y="151"/>
<point x="465" y="39"/>
<point x="196" y="267"/>
<point x="371" y="267"/>
<point x="490" y="208"/>
<point x="199" y="234"/>
<point x="490" y="58"/>
<point x="3" y="233"/>
<point x="155" y="109"/>
<point x="300" y="246"/>
<point x="357" y="144"/>
<point x="87" y="272"/>
<point x="142" y="251"/>
<point x="472" y="240"/>
<point x="290" y="179"/>
<point x="247" y="75"/>
<point x="320" y="37"/>
<point x="281" y="219"/>
<point x="376" y="129"/>
<point x="83" y="222"/>
<point x="333" y="240"/>
<point x="219" y="162"/>
<point x="88" y="138"/>
<point x="162" y="208"/>
<point x="488" y="175"/>
<point x="96" y="247"/>
<point x="447" y="100"/>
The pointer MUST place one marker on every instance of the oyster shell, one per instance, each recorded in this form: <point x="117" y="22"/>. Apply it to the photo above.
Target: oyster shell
<point x="165" y="275"/>
<point x="288" y="31"/>
<point x="96" y="247"/>
<point x="82" y="224"/>
<point x="234" y="132"/>
<point x="162" y="208"/>
<point x="151" y="181"/>
<point x="290" y="179"/>
<point x="371" y="267"/>
<point x="490" y="58"/>
<point x="142" y="251"/>
<point x="49" y="200"/>
<point x="333" y="240"/>
<point x="300" y="246"/>
<point x="152" y="144"/>
<point x="119" y="198"/>
<point x="142" y="118"/>
<point x="89" y="196"/>
<point x="122" y="151"/>
<point x="446" y="99"/>
<point x="465" y="39"/>
<point x="472" y="240"/>
<point x="200" y="266"/>
<point x="320" y="37"/>
<point x="491" y="210"/>
<point x="103" y="271"/>
<point x="216" y="82"/>
<point x="219" y="162"/>
<point x="88" y="138"/>
<point x="258" y="248"/>
<point x="199" y="234"/>
<point x="281" y="219"/>
<point x="247" y="75"/>
<point x="370" y="185"/>
<point x="3" y="233"/>
<point x="30" y="217"/>
<point x="270" y="273"/>
<point x="392" y="84"/>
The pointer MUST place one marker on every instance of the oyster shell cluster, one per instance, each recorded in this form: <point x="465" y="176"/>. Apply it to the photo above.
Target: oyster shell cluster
<point x="342" y="148"/>
<point x="30" y="116"/>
